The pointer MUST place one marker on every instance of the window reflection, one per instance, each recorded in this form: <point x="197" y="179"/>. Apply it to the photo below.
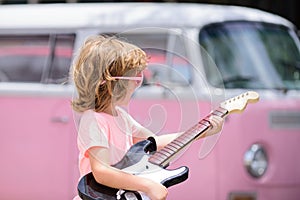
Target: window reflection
<point x="35" y="58"/>
<point x="252" y="55"/>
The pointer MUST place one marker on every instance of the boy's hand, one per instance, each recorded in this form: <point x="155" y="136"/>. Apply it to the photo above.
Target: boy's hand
<point x="216" y="125"/>
<point x="156" y="191"/>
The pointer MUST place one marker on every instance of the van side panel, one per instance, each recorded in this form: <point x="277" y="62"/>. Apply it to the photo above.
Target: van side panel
<point x="38" y="148"/>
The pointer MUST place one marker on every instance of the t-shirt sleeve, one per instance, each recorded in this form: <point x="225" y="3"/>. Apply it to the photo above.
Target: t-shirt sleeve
<point x="91" y="132"/>
<point x="137" y="129"/>
<point x="136" y="126"/>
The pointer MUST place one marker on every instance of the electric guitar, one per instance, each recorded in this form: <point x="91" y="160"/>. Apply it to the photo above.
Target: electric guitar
<point x="143" y="160"/>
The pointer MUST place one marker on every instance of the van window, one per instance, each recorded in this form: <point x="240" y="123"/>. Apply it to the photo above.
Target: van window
<point x="168" y="64"/>
<point x="60" y="60"/>
<point x="252" y="55"/>
<point x="35" y="58"/>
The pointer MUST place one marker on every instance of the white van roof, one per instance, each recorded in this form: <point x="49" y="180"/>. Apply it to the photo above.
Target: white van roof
<point x="89" y="15"/>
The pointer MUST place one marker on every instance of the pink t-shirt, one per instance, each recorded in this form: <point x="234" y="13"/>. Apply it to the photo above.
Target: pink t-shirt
<point x="103" y="130"/>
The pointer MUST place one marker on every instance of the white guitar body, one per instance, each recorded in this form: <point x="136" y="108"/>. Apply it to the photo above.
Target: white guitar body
<point x="148" y="170"/>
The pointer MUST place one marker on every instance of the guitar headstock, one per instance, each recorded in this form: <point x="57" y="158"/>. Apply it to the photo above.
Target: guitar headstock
<point x="239" y="103"/>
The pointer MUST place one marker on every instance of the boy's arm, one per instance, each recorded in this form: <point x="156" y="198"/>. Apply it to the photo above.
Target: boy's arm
<point x="163" y="140"/>
<point x="115" y="178"/>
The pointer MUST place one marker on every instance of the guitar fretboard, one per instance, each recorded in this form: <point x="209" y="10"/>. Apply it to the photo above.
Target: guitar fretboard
<point x="166" y="154"/>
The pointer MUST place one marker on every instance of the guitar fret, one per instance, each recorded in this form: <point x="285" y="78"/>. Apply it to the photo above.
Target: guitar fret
<point x="221" y="112"/>
<point x="165" y="152"/>
<point x="158" y="158"/>
<point x="170" y="148"/>
<point x="155" y="161"/>
<point x="187" y="136"/>
<point x="185" y="139"/>
<point x="175" y="145"/>
<point x="216" y="112"/>
<point x="204" y="122"/>
<point x="195" y="127"/>
<point x="196" y="132"/>
<point x="193" y="130"/>
<point x="220" y="109"/>
<point x="190" y="135"/>
<point x="178" y="142"/>
<point x="160" y="155"/>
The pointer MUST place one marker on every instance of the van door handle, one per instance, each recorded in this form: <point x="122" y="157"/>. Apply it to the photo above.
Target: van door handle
<point x="61" y="119"/>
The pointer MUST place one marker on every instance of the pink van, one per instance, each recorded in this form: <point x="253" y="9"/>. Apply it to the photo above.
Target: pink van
<point x="200" y="55"/>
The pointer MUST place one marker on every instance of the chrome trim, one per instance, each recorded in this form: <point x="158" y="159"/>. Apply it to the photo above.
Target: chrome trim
<point x="36" y="90"/>
<point x="286" y="119"/>
<point x="256" y="160"/>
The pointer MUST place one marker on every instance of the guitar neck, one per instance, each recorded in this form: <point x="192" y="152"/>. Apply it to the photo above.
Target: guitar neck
<point x="166" y="154"/>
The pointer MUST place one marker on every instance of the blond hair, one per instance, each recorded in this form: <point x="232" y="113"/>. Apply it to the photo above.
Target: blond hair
<point x="99" y="60"/>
